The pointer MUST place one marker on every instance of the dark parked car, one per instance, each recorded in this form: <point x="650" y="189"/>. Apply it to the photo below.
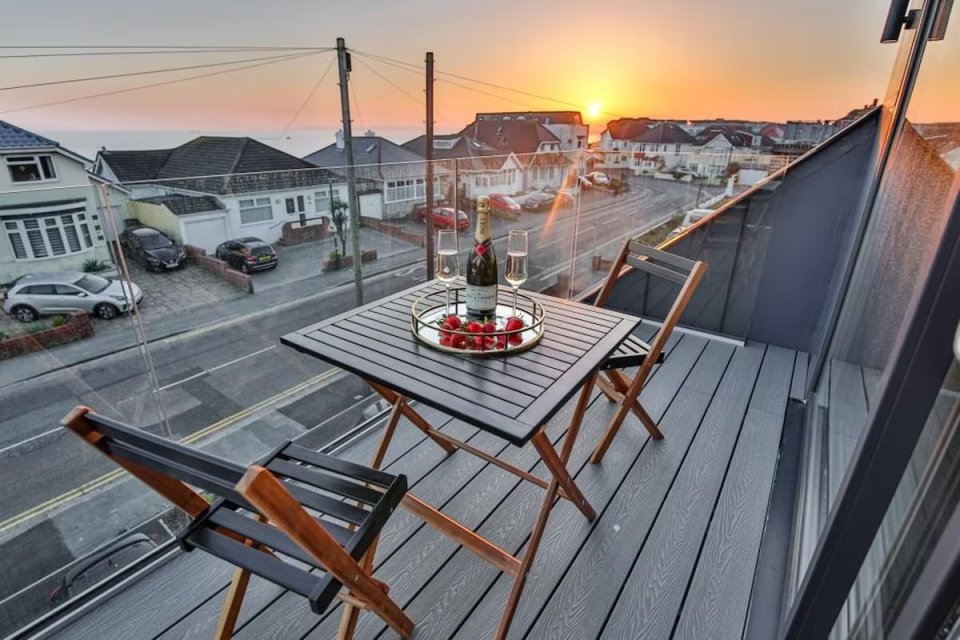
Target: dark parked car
<point x="151" y="248"/>
<point x="443" y="217"/>
<point x="247" y="254"/>
<point x="539" y="201"/>
<point x="504" y="204"/>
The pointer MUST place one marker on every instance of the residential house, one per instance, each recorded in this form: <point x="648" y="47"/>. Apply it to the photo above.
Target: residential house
<point x="721" y="150"/>
<point x="480" y="169"/>
<point x="538" y="151"/>
<point x="394" y="177"/>
<point x="212" y="189"/>
<point x="567" y="126"/>
<point x="52" y="211"/>
<point x="645" y="146"/>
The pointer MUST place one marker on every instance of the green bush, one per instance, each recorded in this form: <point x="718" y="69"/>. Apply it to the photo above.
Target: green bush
<point x="59" y="321"/>
<point x="36" y="327"/>
<point x="93" y="264"/>
<point x="3" y="336"/>
<point x="334" y="254"/>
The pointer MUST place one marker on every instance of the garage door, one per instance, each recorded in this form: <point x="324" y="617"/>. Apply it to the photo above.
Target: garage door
<point x="206" y="233"/>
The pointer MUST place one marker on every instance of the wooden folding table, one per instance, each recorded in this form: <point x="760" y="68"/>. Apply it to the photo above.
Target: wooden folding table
<point x="511" y="397"/>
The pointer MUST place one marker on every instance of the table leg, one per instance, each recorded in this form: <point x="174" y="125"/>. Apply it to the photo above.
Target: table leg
<point x="396" y="399"/>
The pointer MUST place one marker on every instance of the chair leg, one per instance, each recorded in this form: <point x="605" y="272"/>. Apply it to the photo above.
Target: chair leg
<point x="231" y="607"/>
<point x="627" y="403"/>
<point x="351" y="613"/>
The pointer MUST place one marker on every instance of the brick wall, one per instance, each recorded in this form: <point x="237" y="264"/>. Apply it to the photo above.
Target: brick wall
<point x="292" y="233"/>
<point x="77" y="327"/>
<point x="394" y="231"/>
<point x="219" y="268"/>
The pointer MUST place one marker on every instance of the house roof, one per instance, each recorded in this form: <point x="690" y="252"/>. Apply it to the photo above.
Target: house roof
<point x="664" y="133"/>
<point x="462" y="147"/>
<point x="13" y="137"/>
<point x="628" y="128"/>
<point x="215" y="164"/>
<point x="184" y="205"/>
<point x="545" y="117"/>
<point x="517" y="136"/>
<point x="367" y="150"/>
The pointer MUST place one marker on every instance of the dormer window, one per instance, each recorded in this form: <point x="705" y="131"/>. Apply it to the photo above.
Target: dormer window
<point x="31" y="168"/>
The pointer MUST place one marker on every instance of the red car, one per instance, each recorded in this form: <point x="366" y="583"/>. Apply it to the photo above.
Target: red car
<point x="504" y="204"/>
<point x="443" y="217"/>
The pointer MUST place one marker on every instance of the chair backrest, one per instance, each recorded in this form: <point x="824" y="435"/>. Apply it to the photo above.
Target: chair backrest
<point x="680" y="271"/>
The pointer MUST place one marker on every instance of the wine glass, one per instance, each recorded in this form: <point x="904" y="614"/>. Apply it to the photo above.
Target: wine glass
<point x="516" y="271"/>
<point x="448" y="262"/>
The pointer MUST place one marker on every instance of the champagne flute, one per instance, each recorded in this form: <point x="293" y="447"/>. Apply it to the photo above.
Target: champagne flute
<point x="516" y="271"/>
<point x="448" y="262"/>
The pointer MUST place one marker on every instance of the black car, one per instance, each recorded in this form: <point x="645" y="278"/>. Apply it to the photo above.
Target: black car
<point x="538" y="201"/>
<point x="247" y="254"/>
<point x="151" y="248"/>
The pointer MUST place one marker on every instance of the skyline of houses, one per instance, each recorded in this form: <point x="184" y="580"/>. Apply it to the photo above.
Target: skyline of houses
<point x="214" y="188"/>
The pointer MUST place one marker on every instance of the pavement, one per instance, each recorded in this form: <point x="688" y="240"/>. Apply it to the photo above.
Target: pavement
<point x="218" y="377"/>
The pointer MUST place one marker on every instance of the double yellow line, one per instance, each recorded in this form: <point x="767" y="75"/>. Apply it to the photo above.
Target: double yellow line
<point x="107" y="478"/>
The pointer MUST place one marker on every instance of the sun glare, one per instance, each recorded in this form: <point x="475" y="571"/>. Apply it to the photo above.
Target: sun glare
<point x="593" y="109"/>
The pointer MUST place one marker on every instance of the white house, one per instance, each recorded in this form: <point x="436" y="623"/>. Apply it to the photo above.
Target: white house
<point x="480" y="169"/>
<point x="394" y="177"/>
<point x="51" y="210"/>
<point x="566" y="126"/>
<point x="645" y="147"/>
<point x="212" y="189"/>
<point x="721" y="147"/>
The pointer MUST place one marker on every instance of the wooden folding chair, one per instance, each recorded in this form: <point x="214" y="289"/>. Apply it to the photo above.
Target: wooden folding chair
<point x="321" y="511"/>
<point x="634" y="352"/>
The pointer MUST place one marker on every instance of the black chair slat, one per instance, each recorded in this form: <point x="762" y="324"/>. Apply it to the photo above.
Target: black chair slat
<point x="256" y="562"/>
<point x="195" y="477"/>
<point x="325" y="504"/>
<point x="654" y="269"/>
<point x="632" y="352"/>
<point x="336" y="465"/>
<point x="679" y="262"/>
<point x="324" y="481"/>
<point x="271" y="536"/>
<point x="211" y="465"/>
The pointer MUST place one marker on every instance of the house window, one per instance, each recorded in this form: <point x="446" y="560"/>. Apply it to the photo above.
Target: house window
<point x="37" y="236"/>
<point x="321" y="201"/>
<point x="677" y="148"/>
<point x="31" y="168"/>
<point x="295" y="205"/>
<point x="255" y="210"/>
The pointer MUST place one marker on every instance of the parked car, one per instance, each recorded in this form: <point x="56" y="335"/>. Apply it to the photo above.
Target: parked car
<point x="443" y="217"/>
<point x="598" y="178"/>
<point x="39" y="294"/>
<point x="151" y="248"/>
<point x="247" y="254"/>
<point x="504" y="204"/>
<point x="539" y="201"/>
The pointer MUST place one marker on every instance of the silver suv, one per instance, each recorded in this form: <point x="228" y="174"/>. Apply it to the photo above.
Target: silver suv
<point x="39" y="294"/>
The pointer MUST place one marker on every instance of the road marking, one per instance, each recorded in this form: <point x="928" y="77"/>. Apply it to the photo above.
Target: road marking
<point x="216" y="368"/>
<point x="30" y="439"/>
<point x="110" y="476"/>
<point x="410" y="270"/>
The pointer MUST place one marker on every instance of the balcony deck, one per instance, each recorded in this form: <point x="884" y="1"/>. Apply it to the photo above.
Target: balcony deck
<point x="671" y="554"/>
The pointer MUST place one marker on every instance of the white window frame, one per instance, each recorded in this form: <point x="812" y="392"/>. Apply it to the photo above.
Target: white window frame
<point x="299" y="205"/>
<point x="255" y="204"/>
<point x="34" y="159"/>
<point x="322" y="201"/>
<point x="18" y="227"/>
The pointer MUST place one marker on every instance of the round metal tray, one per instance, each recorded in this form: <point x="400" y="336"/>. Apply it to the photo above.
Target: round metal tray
<point x="429" y="311"/>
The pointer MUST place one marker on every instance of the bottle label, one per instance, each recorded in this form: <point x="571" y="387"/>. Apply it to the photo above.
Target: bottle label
<point x="482" y="301"/>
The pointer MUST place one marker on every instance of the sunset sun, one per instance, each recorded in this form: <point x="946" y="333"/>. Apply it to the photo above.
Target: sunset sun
<point x="593" y="109"/>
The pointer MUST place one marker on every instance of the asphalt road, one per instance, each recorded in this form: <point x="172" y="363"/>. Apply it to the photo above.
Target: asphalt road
<point x="231" y="388"/>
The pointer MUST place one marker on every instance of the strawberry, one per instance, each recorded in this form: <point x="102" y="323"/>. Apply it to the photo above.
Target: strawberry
<point x="489" y="327"/>
<point x="489" y="342"/>
<point x="445" y="340"/>
<point x="453" y="321"/>
<point x="445" y="329"/>
<point x="458" y="341"/>
<point x="514" y="323"/>
<point x="501" y="342"/>
<point x="474" y="327"/>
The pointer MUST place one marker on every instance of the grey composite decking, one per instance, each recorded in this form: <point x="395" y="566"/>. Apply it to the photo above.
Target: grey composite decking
<point x="672" y="552"/>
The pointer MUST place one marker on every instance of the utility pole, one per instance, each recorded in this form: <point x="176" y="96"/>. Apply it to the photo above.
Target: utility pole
<point x="428" y="187"/>
<point x="343" y="61"/>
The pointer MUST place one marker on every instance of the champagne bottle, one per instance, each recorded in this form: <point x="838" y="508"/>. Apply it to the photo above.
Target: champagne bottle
<point x="482" y="268"/>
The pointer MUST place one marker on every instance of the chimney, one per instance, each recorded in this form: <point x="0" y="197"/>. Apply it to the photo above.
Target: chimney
<point x="340" y="144"/>
<point x="369" y="134"/>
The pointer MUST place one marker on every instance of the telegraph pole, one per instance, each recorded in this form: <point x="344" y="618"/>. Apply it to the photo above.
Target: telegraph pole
<point x="428" y="187"/>
<point x="343" y="62"/>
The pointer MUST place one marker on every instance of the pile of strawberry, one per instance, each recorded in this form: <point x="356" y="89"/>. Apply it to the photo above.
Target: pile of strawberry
<point x="483" y="340"/>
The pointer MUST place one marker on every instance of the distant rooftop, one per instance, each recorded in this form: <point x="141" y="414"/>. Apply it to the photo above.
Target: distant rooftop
<point x="367" y="149"/>
<point x="518" y="136"/>
<point x="13" y="137"/>
<point x="183" y="205"/>
<point x="544" y="117"/>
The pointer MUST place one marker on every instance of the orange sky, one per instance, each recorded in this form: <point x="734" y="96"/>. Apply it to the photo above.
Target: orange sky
<point x="757" y="59"/>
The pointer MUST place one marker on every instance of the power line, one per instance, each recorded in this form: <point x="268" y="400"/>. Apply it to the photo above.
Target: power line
<point x="355" y="101"/>
<point x="160" y="46"/>
<point x="157" y="84"/>
<point x="138" y="73"/>
<point x="408" y="66"/>
<point x="138" y="53"/>
<point x="390" y="82"/>
<point x="307" y="99"/>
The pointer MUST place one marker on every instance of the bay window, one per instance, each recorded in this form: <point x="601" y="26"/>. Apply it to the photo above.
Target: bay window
<point x="34" y="236"/>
